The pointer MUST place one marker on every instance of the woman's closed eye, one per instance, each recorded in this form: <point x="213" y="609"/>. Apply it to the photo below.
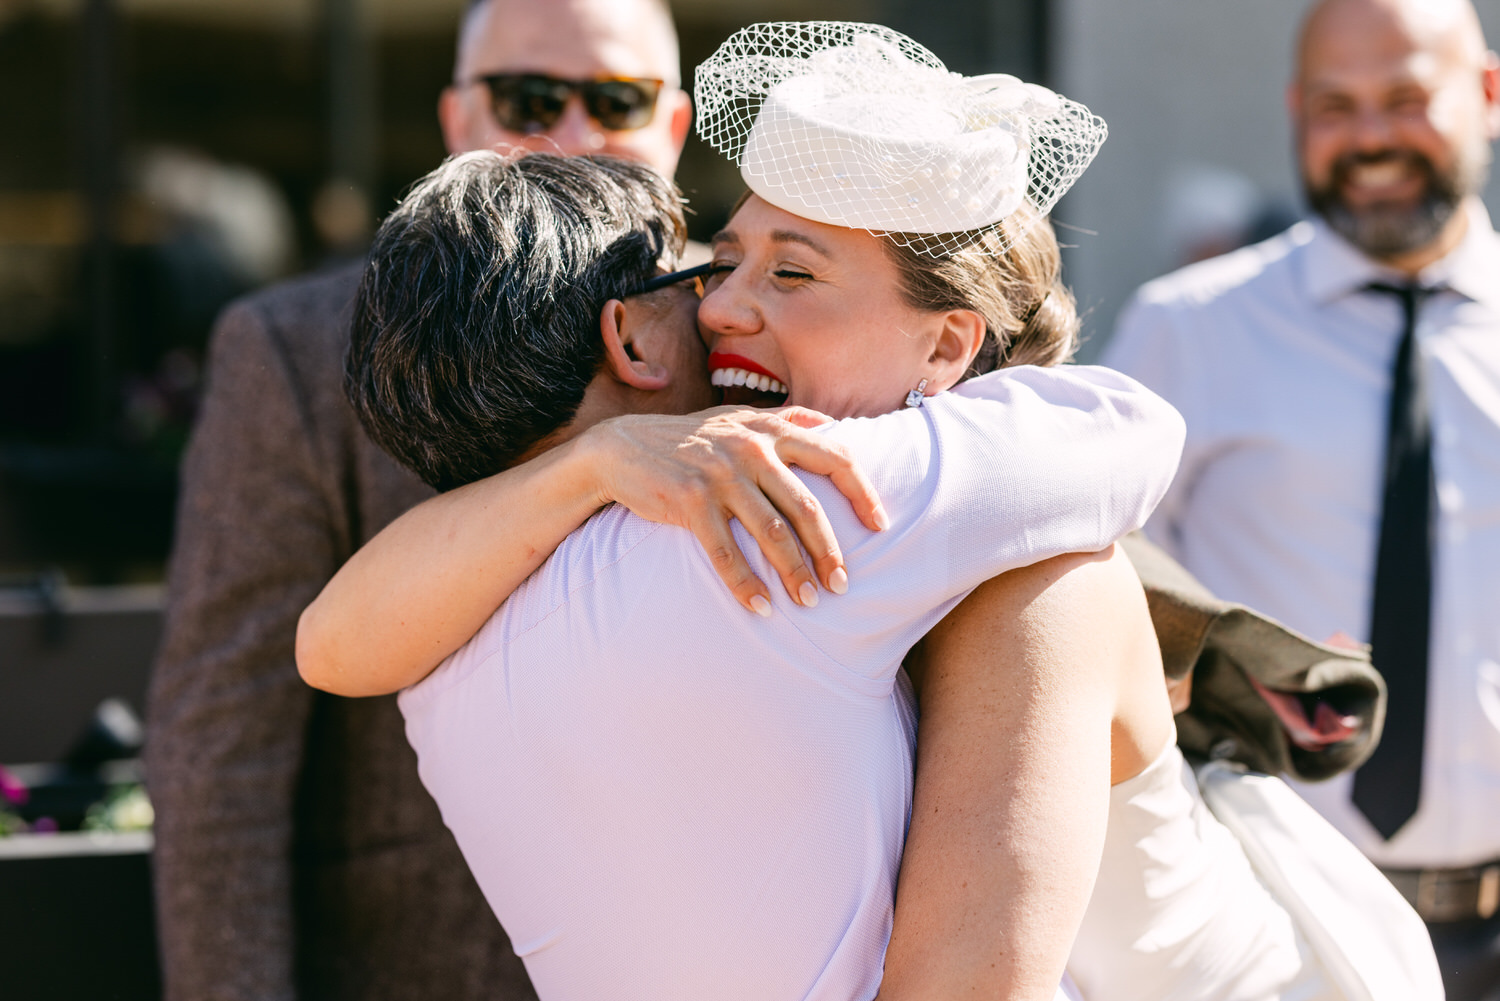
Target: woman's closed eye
<point x="716" y="272"/>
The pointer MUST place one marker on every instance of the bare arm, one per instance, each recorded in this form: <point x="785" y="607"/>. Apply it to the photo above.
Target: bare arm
<point x="1033" y="704"/>
<point x="417" y="591"/>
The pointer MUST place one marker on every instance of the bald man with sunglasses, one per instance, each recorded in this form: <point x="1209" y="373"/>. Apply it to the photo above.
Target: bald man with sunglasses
<point x="297" y="854"/>
<point x="610" y="84"/>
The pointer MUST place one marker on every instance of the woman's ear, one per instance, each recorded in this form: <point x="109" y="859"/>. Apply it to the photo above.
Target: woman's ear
<point x="618" y="329"/>
<point x="958" y="341"/>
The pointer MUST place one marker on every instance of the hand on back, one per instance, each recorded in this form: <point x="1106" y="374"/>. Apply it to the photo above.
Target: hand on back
<point x="700" y="470"/>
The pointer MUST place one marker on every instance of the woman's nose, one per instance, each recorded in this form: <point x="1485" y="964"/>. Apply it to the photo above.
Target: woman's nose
<point x="726" y="309"/>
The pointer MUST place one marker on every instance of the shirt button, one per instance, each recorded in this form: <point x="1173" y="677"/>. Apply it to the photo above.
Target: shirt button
<point x="1450" y="498"/>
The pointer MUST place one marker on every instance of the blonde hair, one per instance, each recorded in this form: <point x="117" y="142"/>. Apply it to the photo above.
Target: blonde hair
<point x="1029" y="315"/>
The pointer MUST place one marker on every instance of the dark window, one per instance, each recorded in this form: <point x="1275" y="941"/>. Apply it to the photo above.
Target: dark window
<point x="159" y="159"/>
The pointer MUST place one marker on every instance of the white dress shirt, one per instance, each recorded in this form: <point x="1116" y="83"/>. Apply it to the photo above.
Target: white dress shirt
<point x="1281" y="366"/>
<point x="664" y="796"/>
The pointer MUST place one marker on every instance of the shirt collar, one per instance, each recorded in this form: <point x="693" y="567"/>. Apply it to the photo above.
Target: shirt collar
<point x="1333" y="267"/>
<point x="1473" y="269"/>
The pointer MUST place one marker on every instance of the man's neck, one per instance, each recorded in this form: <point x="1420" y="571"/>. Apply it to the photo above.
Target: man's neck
<point x="603" y="399"/>
<point x="1447" y="241"/>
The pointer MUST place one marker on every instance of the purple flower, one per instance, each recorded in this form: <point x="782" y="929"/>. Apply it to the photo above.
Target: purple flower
<point x="12" y="789"/>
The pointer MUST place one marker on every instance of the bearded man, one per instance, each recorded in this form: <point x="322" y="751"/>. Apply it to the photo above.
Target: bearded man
<point x="1341" y="385"/>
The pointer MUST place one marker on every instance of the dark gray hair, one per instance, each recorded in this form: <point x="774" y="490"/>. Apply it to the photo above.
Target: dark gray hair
<point x="476" y="326"/>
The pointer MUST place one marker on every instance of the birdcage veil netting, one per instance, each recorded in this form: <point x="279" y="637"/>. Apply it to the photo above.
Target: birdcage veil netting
<point x="857" y="125"/>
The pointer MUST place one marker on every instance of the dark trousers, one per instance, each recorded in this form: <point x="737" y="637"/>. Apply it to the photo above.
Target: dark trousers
<point x="1468" y="953"/>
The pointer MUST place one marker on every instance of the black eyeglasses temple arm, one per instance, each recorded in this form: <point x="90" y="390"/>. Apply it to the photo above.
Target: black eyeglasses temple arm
<point x="672" y="278"/>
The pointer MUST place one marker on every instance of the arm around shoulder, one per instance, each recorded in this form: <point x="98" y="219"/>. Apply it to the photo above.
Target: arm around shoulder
<point x="1078" y="455"/>
<point x="417" y="591"/>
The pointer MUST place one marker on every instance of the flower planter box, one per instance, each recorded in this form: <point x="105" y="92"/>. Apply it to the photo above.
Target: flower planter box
<point x="64" y="652"/>
<point x="76" y="913"/>
<point x="76" y="918"/>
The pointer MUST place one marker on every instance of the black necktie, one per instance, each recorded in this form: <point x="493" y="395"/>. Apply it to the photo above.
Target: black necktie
<point x="1388" y="786"/>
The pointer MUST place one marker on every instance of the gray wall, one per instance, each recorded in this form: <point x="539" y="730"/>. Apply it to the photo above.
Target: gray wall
<point x="1180" y="82"/>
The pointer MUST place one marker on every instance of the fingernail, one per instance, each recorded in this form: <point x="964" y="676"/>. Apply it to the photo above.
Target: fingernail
<point x="808" y="594"/>
<point x="882" y="520"/>
<point x="838" y="581"/>
<point x="761" y="605"/>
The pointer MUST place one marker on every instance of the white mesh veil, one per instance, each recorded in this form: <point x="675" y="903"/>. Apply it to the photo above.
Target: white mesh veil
<point x="857" y="125"/>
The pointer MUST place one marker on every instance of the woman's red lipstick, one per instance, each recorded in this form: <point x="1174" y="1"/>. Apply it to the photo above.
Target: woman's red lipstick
<point x="719" y="360"/>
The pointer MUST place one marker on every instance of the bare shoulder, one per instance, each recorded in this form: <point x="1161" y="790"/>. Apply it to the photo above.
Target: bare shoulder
<point x="1099" y="582"/>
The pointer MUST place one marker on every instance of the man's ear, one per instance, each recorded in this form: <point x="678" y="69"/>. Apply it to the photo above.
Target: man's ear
<point x="618" y="332"/>
<point x="1293" y="98"/>
<point x="682" y="118"/>
<point x="958" y="341"/>
<point x="1490" y="83"/>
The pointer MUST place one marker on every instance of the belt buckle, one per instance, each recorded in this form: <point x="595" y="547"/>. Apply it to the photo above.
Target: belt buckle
<point x="1428" y="883"/>
<point x="1455" y="895"/>
<point x="1489" y="892"/>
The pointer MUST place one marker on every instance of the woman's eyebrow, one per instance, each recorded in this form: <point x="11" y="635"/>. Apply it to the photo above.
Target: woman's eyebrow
<point x="789" y="236"/>
<point x="726" y="236"/>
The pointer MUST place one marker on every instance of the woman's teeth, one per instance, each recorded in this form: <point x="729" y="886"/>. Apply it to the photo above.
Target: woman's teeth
<point x="740" y="377"/>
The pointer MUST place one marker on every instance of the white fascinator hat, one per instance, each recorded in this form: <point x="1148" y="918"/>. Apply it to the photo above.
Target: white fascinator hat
<point x="857" y="125"/>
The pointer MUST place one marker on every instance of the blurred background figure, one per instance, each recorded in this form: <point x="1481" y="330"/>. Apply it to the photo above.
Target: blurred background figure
<point x="234" y="216"/>
<point x="1212" y="93"/>
<point x="1341" y="385"/>
<point x="219" y="230"/>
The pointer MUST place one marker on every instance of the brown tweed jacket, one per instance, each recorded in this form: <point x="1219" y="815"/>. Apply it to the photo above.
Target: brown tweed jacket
<point x="1225" y="645"/>
<point x="297" y="854"/>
